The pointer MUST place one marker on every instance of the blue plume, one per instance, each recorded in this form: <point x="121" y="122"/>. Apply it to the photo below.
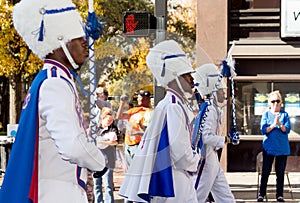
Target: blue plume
<point x="93" y="27"/>
<point x="226" y="69"/>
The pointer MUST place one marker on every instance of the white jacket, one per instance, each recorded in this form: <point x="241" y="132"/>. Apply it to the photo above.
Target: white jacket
<point x="64" y="149"/>
<point x="172" y="112"/>
<point x="213" y="178"/>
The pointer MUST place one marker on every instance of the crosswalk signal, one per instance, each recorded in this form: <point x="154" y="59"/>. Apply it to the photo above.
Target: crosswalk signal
<point x="138" y="23"/>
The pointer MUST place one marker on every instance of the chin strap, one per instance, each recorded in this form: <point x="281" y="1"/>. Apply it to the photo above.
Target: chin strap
<point x="66" y="51"/>
<point x="74" y="65"/>
<point x="179" y="85"/>
<point x="185" y="95"/>
<point x="76" y="77"/>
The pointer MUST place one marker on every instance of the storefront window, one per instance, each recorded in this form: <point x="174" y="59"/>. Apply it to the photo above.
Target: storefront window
<point x="251" y="102"/>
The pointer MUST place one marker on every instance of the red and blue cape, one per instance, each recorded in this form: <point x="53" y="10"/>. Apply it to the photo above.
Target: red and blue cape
<point x="20" y="184"/>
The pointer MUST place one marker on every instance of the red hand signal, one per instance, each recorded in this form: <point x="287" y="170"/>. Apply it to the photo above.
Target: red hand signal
<point x="130" y="24"/>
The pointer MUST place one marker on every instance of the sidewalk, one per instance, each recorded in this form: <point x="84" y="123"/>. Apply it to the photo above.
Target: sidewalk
<point x="243" y="186"/>
<point x="118" y="179"/>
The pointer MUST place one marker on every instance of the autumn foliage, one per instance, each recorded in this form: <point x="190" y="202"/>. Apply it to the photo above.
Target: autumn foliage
<point x="15" y="56"/>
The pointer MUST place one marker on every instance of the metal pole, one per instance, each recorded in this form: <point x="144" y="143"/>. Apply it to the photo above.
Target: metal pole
<point x="92" y="83"/>
<point x="161" y="28"/>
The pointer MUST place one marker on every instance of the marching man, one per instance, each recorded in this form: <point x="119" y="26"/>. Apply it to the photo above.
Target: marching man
<point x="211" y="177"/>
<point x="161" y="168"/>
<point x="52" y="151"/>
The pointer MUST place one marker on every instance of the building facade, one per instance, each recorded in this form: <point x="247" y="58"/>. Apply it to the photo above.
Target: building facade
<point x="266" y="60"/>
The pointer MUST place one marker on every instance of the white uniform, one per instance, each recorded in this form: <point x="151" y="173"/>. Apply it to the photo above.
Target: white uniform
<point x="213" y="178"/>
<point x="173" y="112"/>
<point x="64" y="149"/>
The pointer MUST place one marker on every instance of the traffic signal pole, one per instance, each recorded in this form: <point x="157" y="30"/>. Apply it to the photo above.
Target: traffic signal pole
<point x="160" y="13"/>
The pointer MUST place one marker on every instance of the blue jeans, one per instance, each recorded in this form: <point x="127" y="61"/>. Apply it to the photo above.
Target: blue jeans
<point x="108" y="187"/>
<point x="280" y="164"/>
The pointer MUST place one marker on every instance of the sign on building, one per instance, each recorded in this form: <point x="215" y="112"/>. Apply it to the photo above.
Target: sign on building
<point x="260" y="104"/>
<point x="290" y="18"/>
<point x="292" y="104"/>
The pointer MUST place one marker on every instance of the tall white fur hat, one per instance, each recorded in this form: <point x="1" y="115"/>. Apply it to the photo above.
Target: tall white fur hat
<point x="44" y="23"/>
<point x="206" y="76"/>
<point x="167" y="61"/>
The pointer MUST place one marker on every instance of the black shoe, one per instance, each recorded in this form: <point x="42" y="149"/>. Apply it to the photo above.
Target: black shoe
<point x="280" y="199"/>
<point x="260" y="199"/>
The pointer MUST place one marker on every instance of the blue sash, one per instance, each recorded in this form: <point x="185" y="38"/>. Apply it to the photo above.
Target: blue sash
<point x="197" y="141"/>
<point x="197" y="138"/>
<point x="161" y="183"/>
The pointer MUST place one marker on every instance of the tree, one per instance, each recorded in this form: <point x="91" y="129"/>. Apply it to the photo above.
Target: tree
<point x="119" y="74"/>
<point x="15" y="56"/>
<point x="113" y="51"/>
<point x="182" y="20"/>
<point x="120" y="61"/>
<point x="17" y="62"/>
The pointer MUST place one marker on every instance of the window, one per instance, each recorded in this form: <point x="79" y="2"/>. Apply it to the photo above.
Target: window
<point x="251" y="102"/>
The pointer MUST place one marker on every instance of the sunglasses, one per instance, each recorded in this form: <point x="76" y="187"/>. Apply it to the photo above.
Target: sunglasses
<point x="277" y="101"/>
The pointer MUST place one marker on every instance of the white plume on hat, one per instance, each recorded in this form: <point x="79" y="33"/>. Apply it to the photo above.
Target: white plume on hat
<point x="60" y="20"/>
<point x="167" y="61"/>
<point x="207" y="76"/>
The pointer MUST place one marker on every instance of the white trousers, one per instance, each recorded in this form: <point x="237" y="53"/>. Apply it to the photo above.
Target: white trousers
<point x="213" y="180"/>
<point x="51" y="191"/>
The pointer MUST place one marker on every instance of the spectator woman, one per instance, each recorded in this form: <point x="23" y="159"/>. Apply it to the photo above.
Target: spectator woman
<point x="275" y="126"/>
<point x="106" y="142"/>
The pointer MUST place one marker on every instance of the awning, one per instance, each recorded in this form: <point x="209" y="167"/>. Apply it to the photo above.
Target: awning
<point x="266" y="49"/>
